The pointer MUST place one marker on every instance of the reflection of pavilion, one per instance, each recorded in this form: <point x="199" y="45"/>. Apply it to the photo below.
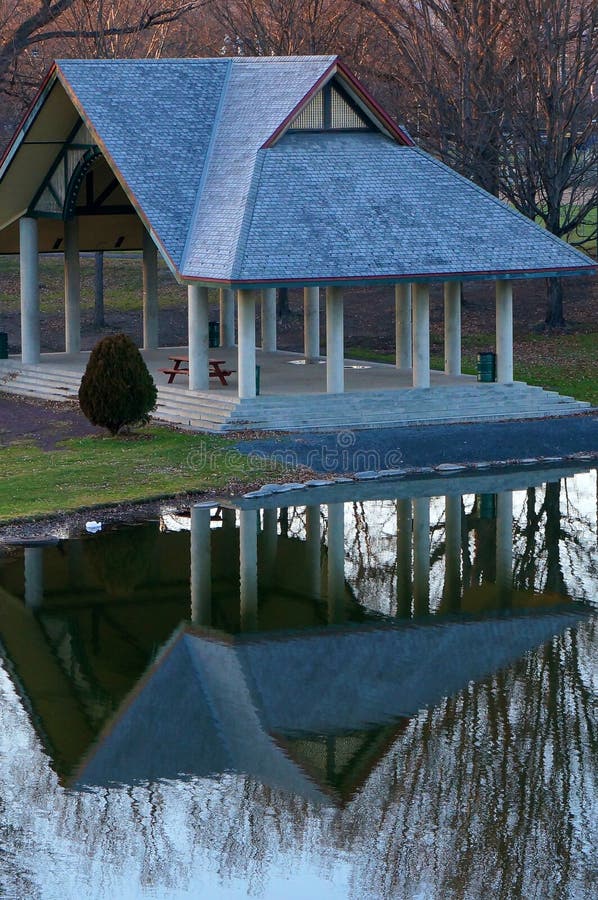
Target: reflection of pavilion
<point x="310" y="714"/>
<point x="283" y="675"/>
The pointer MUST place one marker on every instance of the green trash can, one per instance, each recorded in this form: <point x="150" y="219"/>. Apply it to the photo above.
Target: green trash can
<point x="257" y="380"/>
<point x="214" y="334"/>
<point x="486" y="367"/>
<point x="3" y="345"/>
<point x="486" y="506"/>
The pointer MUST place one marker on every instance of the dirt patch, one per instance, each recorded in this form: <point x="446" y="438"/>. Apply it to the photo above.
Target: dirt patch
<point x="43" y="423"/>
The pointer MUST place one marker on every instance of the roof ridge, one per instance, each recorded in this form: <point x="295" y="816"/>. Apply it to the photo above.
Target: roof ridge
<point x="502" y="204"/>
<point x="248" y="213"/>
<point x="206" y="166"/>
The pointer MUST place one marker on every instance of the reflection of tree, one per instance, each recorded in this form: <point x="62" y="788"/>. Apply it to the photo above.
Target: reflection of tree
<point x="123" y="559"/>
<point x="492" y="791"/>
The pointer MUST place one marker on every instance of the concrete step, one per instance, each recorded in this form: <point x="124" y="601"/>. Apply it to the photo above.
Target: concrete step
<point x="216" y="411"/>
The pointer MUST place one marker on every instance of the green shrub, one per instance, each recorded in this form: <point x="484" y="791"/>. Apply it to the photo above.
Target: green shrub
<point x="117" y="388"/>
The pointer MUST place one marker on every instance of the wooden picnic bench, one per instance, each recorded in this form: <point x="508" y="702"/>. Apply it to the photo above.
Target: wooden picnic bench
<point x="179" y="369"/>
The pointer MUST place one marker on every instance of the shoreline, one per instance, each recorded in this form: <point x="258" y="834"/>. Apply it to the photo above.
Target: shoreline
<point x="51" y="527"/>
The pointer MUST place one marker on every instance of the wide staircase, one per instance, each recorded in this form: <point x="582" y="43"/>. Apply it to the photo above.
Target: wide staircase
<point x="360" y="409"/>
<point x="214" y="411"/>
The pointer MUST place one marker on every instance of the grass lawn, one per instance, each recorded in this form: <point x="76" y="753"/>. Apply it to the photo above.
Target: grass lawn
<point x="561" y="362"/>
<point x="122" y="283"/>
<point x="87" y="471"/>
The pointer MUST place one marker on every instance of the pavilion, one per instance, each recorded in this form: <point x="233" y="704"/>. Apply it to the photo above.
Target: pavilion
<point x="248" y="175"/>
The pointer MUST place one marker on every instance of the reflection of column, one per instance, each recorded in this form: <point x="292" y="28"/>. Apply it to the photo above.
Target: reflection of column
<point x="34" y="576"/>
<point x="312" y="550"/>
<point x="452" y="559"/>
<point x="248" y="568"/>
<point x="201" y="566"/>
<point x="268" y="545"/>
<point x="421" y="555"/>
<point x="504" y="545"/>
<point x="74" y="560"/>
<point x="404" y="557"/>
<point x="336" y="562"/>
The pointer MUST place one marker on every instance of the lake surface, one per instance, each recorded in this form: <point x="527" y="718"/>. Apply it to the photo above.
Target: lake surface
<point x="378" y="691"/>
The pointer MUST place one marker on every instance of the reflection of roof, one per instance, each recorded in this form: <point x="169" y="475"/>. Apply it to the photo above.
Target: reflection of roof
<point x="200" y="147"/>
<point x="208" y="706"/>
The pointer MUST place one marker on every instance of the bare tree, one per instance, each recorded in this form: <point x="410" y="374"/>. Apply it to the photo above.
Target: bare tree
<point x="34" y="31"/>
<point x="285" y="27"/>
<point x="506" y="92"/>
<point x="550" y="168"/>
<point x="456" y="56"/>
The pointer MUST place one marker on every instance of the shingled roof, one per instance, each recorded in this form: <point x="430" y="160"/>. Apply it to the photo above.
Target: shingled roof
<point x="203" y="150"/>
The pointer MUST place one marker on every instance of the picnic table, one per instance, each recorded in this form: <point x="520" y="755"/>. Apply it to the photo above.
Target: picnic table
<point x="181" y="367"/>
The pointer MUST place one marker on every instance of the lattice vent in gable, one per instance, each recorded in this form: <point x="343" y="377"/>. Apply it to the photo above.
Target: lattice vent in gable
<point x="330" y="110"/>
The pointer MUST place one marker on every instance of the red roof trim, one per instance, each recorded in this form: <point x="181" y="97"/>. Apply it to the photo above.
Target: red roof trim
<point x="367" y="98"/>
<point x="19" y="130"/>
<point x="303" y="102"/>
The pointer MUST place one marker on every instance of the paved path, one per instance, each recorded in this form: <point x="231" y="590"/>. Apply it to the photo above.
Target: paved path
<point x="418" y="446"/>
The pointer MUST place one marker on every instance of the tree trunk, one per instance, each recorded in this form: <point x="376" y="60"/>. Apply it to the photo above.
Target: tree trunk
<point x="554" y="308"/>
<point x="283" y="303"/>
<point x="98" y="309"/>
<point x="555" y="581"/>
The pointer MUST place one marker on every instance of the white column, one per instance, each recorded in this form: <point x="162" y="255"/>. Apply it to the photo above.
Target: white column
<point x="452" y="551"/>
<point x="34" y="576"/>
<point x="201" y="566"/>
<point x="404" y="542"/>
<point x="312" y="550"/>
<point x="72" y="287"/>
<point x="336" y="562"/>
<point x="227" y="317"/>
<point x="246" y="358"/>
<point x="452" y="328"/>
<point x="403" y="340"/>
<point x="421" y="335"/>
<point x="311" y="323"/>
<point x="199" y="372"/>
<point x="269" y="319"/>
<point x="335" y="341"/>
<point x="421" y="555"/>
<point x="504" y="544"/>
<point x="150" y="293"/>
<point x="268" y="545"/>
<point x="248" y="568"/>
<point x="29" y="265"/>
<point x="504" y="332"/>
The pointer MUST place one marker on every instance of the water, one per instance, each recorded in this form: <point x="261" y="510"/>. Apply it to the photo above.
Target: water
<point x="391" y="694"/>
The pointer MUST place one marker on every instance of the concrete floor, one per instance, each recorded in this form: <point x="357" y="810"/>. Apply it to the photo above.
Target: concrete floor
<point x="280" y="373"/>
